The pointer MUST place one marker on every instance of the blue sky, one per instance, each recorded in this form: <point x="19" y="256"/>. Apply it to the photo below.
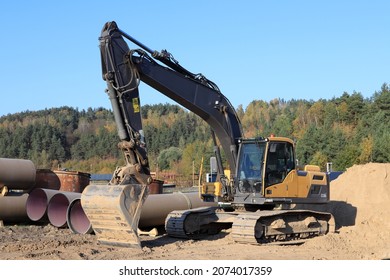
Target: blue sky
<point x="250" y="49"/>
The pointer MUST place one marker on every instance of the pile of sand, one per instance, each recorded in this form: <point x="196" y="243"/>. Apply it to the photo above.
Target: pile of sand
<point x="361" y="195"/>
<point x="360" y="204"/>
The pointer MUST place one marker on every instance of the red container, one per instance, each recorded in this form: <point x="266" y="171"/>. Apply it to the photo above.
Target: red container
<point x="63" y="180"/>
<point x="156" y="187"/>
<point x="47" y="179"/>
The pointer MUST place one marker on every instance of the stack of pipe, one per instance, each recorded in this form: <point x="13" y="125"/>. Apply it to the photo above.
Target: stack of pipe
<point x="21" y="200"/>
<point x="64" y="209"/>
<point x="50" y="205"/>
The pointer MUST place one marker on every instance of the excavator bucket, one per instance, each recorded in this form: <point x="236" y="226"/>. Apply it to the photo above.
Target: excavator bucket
<point x="114" y="212"/>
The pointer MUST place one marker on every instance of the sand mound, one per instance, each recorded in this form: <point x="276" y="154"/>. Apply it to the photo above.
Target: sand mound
<point x="361" y="195"/>
<point x="360" y="204"/>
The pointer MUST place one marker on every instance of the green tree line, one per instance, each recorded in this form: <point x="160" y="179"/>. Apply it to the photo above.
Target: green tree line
<point x="344" y="130"/>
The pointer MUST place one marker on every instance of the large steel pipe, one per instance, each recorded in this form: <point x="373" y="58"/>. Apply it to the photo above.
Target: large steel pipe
<point x="13" y="207"/>
<point x="17" y="174"/>
<point x="76" y="219"/>
<point x="157" y="207"/>
<point x="36" y="205"/>
<point x="58" y="207"/>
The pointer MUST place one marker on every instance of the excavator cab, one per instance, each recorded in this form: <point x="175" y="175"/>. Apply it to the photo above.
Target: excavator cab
<point x="263" y="162"/>
<point x="267" y="175"/>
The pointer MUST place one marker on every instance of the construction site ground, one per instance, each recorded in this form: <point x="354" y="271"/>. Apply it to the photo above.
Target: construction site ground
<point x="360" y="202"/>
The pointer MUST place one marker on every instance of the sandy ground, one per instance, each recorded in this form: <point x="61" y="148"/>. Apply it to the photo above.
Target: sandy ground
<point x="360" y="203"/>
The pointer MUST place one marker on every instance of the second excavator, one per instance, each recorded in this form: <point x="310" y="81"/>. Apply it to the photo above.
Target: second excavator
<point x="255" y="197"/>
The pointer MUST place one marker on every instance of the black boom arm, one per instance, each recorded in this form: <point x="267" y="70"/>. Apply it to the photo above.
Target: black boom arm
<point x="123" y="69"/>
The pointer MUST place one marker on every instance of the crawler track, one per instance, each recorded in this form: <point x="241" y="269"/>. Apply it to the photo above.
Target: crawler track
<point x="261" y="227"/>
<point x="281" y="227"/>
<point x="188" y="223"/>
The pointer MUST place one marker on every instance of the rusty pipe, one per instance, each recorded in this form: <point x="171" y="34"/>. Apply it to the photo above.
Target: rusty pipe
<point x="13" y="207"/>
<point x="17" y="174"/>
<point x="76" y="219"/>
<point x="36" y="205"/>
<point x="58" y="207"/>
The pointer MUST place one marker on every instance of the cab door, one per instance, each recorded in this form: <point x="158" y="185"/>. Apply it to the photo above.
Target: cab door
<point x="280" y="176"/>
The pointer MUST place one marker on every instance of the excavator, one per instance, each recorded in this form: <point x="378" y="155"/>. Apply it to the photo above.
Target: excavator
<point x="255" y="196"/>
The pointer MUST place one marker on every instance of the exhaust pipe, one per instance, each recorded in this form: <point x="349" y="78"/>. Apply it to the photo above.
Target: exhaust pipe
<point x="58" y="207"/>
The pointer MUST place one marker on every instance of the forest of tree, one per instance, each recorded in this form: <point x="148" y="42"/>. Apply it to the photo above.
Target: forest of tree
<point x="344" y="130"/>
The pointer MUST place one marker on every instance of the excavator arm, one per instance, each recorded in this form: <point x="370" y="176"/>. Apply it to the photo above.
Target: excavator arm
<point x="122" y="89"/>
<point x="125" y="68"/>
<point x="114" y="209"/>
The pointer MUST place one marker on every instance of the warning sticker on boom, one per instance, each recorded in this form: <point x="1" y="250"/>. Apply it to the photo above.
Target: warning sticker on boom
<point x="136" y="105"/>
